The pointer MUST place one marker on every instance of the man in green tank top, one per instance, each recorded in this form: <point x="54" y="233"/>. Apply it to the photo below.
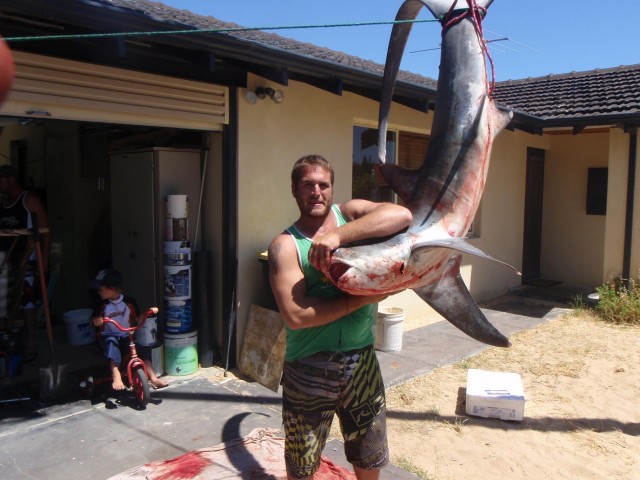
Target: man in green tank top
<point x="330" y="363"/>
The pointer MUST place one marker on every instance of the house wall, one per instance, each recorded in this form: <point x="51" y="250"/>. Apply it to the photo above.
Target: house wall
<point x="272" y="136"/>
<point x="617" y="209"/>
<point x="635" y="242"/>
<point x="499" y="222"/>
<point x="572" y="241"/>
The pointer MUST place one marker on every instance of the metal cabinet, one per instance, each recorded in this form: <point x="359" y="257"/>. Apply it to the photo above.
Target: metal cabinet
<point x="140" y="183"/>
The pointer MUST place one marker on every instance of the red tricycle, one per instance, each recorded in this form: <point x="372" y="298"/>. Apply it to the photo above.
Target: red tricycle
<point x="135" y="372"/>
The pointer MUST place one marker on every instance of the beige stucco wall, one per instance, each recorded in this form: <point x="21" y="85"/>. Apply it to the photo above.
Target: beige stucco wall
<point x="616" y="205"/>
<point x="617" y="209"/>
<point x="499" y="222"/>
<point x="572" y="241"/>
<point x="272" y="136"/>
<point x="635" y="249"/>
<point x="576" y="248"/>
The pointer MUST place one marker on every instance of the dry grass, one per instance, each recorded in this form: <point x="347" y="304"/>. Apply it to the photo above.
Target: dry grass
<point x="581" y="378"/>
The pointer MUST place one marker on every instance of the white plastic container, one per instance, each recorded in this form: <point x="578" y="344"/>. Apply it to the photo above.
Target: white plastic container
<point x="177" y="253"/>
<point x="148" y="334"/>
<point x="177" y="206"/>
<point x="177" y="282"/>
<point x="494" y="395"/>
<point x="80" y="331"/>
<point x="389" y="328"/>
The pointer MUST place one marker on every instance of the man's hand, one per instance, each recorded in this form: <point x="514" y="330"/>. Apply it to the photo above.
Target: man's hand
<point x="367" y="220"/>
<point x="321" y="250"/>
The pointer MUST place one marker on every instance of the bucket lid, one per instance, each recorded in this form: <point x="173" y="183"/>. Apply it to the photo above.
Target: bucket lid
<point x="391" y="310"/>
<point x="79" y="313"/>
<point x="176" y="336"/>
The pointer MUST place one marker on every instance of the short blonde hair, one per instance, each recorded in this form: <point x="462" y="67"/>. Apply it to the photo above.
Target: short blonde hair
<point x="312" y="160"/>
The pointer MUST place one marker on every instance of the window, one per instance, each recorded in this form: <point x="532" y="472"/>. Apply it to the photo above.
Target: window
<point x="597" y="179"/>
<point x="368" y="183"/>
<point x="365" y="183"/>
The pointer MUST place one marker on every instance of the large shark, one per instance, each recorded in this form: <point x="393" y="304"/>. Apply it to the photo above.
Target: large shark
<point x="444" y="193"/>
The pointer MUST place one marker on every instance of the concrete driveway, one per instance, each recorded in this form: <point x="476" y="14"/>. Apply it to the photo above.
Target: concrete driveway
<point x="108" y="434"/>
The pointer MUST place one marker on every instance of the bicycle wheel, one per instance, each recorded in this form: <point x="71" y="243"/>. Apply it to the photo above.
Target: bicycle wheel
<point x="140" y="386"/>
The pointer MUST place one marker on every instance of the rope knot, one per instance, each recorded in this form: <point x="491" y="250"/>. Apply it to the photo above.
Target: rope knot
<point x="476" y="14"/>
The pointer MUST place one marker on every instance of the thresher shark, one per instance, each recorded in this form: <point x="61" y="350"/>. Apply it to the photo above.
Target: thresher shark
<point x="444" y="193"/>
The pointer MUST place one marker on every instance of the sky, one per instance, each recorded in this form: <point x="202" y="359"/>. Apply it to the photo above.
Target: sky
<point x="543" y="36"/>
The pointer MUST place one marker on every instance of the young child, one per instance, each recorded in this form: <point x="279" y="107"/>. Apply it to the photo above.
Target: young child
<point x="124" y="310"/>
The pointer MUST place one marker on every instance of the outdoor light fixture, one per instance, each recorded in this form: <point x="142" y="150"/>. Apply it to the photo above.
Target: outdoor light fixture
<point x="262" y="92"/>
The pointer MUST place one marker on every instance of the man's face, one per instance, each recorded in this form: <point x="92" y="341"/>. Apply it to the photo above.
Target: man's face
<point x="314" y="192"/>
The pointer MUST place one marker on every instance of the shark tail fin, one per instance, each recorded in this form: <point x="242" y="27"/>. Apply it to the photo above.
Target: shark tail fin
<point x="451" y="299"/>
<point x="399" y="34"/>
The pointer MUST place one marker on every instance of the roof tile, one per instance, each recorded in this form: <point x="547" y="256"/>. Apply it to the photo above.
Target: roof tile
<point x="611" y="91"/>
<point x="576" y="94"/>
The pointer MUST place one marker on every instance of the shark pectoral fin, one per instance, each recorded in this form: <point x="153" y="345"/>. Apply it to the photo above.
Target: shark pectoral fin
<point x="451" y="299"/>
<point x="459" y="245"/>
<point x="501" y="118"/>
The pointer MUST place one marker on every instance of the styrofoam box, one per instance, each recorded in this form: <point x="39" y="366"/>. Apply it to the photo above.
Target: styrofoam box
<point x="495" y="395"/>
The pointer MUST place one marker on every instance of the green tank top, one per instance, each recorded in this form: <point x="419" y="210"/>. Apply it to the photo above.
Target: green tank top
<point x="347" y="333"/>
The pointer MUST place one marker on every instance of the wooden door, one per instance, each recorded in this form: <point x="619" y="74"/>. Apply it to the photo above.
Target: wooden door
<point x="532" y="234"/>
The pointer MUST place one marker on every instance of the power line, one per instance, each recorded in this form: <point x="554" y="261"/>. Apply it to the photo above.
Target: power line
<point x="204" y="30"/>
<point x="514" y="41"/>
<point x="438" y="48"/>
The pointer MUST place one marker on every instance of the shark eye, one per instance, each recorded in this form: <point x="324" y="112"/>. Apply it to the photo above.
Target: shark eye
<point x="336" y="270"/>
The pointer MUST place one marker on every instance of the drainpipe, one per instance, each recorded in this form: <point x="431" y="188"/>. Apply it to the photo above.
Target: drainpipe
<point x="631" y="180"/>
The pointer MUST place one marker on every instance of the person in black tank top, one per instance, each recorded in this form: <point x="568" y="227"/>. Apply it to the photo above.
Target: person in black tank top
<point x="16" y="208"/>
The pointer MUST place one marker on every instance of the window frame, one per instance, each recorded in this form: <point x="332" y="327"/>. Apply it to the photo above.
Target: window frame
<point x="474" y="229"/>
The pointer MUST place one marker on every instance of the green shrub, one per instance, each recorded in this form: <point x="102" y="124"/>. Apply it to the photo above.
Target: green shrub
<point x="619" y="302"/>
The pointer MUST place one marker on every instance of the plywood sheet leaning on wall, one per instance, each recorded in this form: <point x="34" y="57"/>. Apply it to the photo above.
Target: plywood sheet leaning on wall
<point x="263" y="350"/>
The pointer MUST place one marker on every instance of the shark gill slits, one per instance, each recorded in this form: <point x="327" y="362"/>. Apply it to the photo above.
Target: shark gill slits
<point x="336" y="270"/>
<point x="399" y="268"/>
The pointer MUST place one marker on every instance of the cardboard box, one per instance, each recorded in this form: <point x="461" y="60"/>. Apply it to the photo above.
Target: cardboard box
<point x="495" y="395"/>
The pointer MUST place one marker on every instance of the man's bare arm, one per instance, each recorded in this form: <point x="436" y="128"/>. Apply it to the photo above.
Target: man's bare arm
<point x="289" y="289"/>
<point x="367" y="220"/>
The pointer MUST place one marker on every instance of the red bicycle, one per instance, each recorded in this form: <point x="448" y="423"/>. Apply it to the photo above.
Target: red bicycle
<point x="135" y="373"/>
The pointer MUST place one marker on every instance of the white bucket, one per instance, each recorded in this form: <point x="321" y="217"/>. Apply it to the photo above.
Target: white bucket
<point x="80" y="331"/>
<point x="177" y="206"/>
<point x="389" y="329"/>
<point x="177" y="253"/>
<point x="157" y="359"/>
<point x="177" y="282"/>
<point x="177" y="316"/>
<point x="148" y="334"/>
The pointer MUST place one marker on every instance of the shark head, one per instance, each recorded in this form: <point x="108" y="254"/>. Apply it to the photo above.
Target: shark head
<point x="372" y="268"/>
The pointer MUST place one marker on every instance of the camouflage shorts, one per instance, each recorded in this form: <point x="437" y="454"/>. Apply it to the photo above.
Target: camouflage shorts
<point x="347" y="384"/>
